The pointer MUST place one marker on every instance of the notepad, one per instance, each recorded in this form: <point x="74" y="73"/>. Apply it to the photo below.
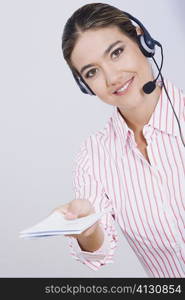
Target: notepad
<point x="55" y="224"/>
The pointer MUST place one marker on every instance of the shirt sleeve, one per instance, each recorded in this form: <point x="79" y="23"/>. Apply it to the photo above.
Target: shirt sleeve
<point x="184" y="107"/>
<point x="87" y="187"/>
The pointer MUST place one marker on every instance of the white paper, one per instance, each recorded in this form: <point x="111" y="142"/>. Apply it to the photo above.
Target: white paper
<point x="55" y="224"/>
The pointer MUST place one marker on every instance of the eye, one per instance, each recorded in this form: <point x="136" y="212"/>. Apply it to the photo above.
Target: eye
<point x="116" y="53"/>
<point x="90" y="73"/>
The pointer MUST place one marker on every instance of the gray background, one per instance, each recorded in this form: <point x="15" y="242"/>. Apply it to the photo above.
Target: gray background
<point x="43" y="120"/>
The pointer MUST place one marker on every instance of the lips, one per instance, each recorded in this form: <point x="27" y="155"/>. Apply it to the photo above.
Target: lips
<point x="121" y="90"/>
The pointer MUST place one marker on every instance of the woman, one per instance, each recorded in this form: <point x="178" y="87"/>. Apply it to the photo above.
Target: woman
<point x="135" y="166"/>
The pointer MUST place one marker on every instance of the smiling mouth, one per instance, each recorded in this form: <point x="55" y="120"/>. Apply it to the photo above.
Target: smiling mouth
<point x="123" y="90"/>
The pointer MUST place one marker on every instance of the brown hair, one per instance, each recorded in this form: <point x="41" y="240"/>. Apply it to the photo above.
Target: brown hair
<point x="93" y="16"/>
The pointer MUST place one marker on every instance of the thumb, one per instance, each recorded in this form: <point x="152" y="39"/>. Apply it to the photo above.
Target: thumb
<point x="73" y="210"/>
<point x="70" y="215"/>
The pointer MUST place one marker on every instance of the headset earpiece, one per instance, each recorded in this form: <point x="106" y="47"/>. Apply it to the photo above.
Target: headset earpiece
<point x="145" y="41"/>
<point x="147" y="46"/>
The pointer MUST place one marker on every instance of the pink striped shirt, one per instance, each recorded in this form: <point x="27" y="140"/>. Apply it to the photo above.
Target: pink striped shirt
<point x="146" y="200"/>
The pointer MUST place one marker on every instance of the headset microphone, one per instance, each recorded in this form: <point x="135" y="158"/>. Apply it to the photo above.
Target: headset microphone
<point x="149" y="87"/>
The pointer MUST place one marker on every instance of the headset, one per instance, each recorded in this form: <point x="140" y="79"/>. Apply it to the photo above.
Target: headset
<point x="147" y="46"/>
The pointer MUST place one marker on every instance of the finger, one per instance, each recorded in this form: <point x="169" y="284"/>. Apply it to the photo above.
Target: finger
<point x="70" y="216"/>
<point x="74" y="209"/>
<point x="80" y="207"/>
<point x="72" y="235"/>
<point x="61" y="209"/>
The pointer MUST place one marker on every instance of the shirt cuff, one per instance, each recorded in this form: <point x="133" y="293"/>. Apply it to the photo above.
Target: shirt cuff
<point x="97" y="258"/>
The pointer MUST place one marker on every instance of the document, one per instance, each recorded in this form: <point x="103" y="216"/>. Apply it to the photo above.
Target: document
<point x="55" y="224"/>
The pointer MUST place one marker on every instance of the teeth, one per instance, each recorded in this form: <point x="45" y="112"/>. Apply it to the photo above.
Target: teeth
<point x="123" y="88"/>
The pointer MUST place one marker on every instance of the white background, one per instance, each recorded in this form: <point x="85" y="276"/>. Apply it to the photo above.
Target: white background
<point x="44" y="118"/>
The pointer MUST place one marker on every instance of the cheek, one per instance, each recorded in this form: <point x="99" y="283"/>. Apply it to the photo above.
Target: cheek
<point x="98" y="86"/>
<point x="100" y="90"/>
<point x="132" y="64"/>
<point x="134" y="59"/>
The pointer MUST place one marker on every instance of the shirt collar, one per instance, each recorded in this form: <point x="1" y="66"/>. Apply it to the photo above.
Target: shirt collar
<point x="162" y="119"/>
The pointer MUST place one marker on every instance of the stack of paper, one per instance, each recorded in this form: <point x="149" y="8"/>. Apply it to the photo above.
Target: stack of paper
<point x="56" y="224"/>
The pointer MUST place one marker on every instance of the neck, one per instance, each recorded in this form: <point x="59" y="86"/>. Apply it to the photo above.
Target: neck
<point x="139" y="116"/>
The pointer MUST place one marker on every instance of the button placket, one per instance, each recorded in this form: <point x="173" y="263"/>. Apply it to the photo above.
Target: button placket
<point x="150" y="136"/>
<point x="131" y="140"/>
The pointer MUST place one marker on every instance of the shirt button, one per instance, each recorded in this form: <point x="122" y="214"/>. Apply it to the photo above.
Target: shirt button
<point x="148" y="132"/>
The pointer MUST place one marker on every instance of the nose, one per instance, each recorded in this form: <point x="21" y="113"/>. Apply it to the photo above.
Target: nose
<point x="112" y="76"/>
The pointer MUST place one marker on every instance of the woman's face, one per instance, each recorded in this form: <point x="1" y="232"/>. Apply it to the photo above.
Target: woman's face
<point x="112" y="65"/>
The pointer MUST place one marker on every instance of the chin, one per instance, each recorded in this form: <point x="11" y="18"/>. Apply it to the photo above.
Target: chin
<point x="107" y="100"/>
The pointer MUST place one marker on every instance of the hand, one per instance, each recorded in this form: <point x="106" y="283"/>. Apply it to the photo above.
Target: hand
<point x="78" y="208"/>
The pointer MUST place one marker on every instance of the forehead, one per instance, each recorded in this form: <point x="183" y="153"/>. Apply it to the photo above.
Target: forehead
<point x="92" y="43"/>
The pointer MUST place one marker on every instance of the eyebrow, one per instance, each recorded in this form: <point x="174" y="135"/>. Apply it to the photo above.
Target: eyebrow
<point x="106" y="52"/>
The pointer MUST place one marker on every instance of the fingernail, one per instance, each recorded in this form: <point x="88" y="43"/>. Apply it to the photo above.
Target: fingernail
<point x="70" y="215"/>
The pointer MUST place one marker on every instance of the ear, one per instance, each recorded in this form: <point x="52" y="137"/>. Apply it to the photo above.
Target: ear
<point x="139" y="30"/>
